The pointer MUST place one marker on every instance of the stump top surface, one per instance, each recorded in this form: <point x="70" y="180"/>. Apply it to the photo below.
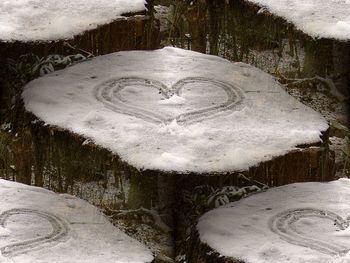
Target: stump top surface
<point x="302" y="222"/>
<point x="175" y="110"/>
<point x="46" y="20"/>
<point x="317" y="18"/>
<point x="37" y="225"/>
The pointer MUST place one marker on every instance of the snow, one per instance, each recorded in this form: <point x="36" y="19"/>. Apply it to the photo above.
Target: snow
<point x="317" y="18"/>
<point x="37" y="225"/>
<point x="174" y="100"/>
<point x="44" y="20"/>
<point x="299" y="223"/>
<point x="175" y="110"/>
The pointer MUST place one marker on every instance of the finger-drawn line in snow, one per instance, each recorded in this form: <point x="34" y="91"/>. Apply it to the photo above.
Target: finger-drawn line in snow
<point x="109" y="94"/>
<point x="60" y="229"/>
<point x="284" y="225"/>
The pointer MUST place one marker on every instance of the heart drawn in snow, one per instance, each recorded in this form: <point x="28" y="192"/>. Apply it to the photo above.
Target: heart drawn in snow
<point x="188" y="100"/>
<point x="288" y="225"/>
<point x="59" y="230"/>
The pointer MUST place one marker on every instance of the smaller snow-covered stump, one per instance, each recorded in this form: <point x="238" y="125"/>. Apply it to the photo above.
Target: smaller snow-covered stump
<point x="68" y="27"/>
<point x="178" y="111"/>
<point x="302" y="222"/>
<point x="37" y="20"/>
<point x="37" y="225"/>
<point x="316" y="18"/>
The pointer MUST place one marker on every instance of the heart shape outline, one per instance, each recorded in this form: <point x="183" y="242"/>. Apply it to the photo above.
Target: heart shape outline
<point x="108" y="94"/>
<point x="60" y="230"/>
<point x="283" y="225"/>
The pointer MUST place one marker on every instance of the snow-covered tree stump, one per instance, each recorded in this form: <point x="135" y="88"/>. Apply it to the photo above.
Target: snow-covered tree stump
<point x="37" y="225"/>
<point x="50" y="28"/>
<point x="308" y="41"/>
<point x="126" y="33"/>
<point x="179" y="112"/>
<point x="306" y="222"/>
<point x="320" y="30"/>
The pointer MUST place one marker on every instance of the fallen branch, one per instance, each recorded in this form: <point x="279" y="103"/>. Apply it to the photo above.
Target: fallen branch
<point x="329" y="83"/>
<point x="140" y="213"/>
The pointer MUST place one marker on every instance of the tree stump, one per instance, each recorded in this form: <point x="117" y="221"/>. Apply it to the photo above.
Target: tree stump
<point x="295" y="222"/>
<point x="245" y="30"/>
<point x="38" y="225"/>
<point x="103" y="31"/>
<point x="175" y="116"/>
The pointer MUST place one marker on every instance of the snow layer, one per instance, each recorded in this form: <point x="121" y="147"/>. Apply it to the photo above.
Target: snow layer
<point x="317" y="18"/>
<point x="32" y="20"/>
<point x="37" y="225"/>
<point x="299" y="223"/>
<point x="175" y="110"/>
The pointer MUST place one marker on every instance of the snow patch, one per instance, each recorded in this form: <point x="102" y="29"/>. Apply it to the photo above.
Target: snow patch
<point x="4" y="232"/>
<point x="93" y="117"/>
<point x="174" y="159"/>
<point x="173" y="100"/>
<point x="343" y="233"/>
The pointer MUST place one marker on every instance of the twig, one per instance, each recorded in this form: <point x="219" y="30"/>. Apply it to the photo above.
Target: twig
<point x="252" y="180"/>
<point x="151" y="213"/>
<point x="79" y="49"/>
<point x="332" y="88"/>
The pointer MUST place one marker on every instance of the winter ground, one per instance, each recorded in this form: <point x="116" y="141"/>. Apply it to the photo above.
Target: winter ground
<point x="176" y="110"/>
<point x="317" y="18"/>
<point x="303" y="222"/>
<point x="37" y="225"/>
<point x="37" y="20"/>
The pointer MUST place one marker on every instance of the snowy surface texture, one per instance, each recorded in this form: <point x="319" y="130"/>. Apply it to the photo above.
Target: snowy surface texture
<point x="317" y="18"/>
<point x="37" y="225"/>
<point x="299" y="223"/>
<point x="175" y="110"/>
<point x="31" y="20"/>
